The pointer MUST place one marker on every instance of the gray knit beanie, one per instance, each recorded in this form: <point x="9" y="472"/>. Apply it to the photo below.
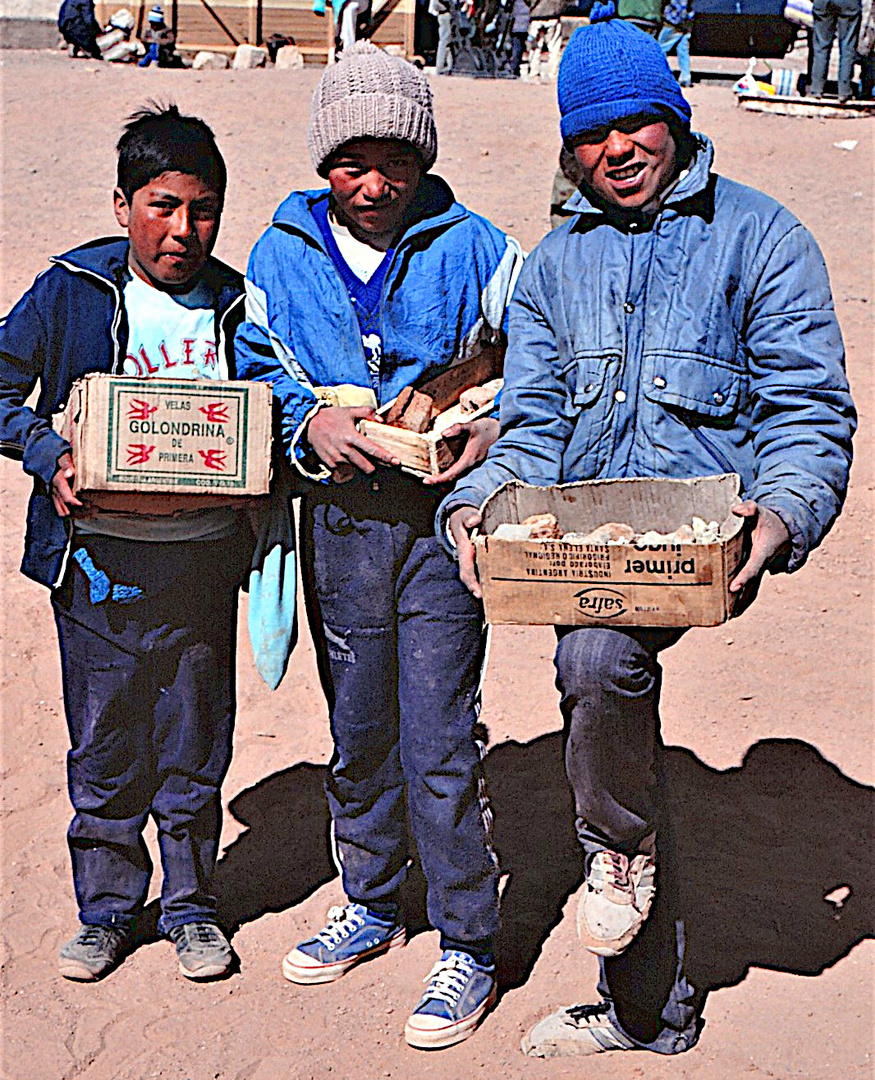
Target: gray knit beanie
<point x="369" y="94"/>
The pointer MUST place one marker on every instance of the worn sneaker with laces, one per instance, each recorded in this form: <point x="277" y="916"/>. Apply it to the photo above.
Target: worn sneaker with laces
<point x="617" y="899"/>
<point x="352" y="934"/>
<point x="575" y="1031"/>
<point x="93" y="952"/>
<point x="202" y="949"/>
<point x="459" y="994"/>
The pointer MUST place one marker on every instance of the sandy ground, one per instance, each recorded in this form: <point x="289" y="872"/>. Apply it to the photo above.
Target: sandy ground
<point x="769" y="720"/>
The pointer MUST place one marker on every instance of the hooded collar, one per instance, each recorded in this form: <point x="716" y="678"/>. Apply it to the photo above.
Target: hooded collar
<point x="434" y="207"/>
<point x="691" y="184"/>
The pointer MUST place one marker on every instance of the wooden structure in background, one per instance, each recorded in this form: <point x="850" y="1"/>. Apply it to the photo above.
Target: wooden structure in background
<point x="222" y="25"/>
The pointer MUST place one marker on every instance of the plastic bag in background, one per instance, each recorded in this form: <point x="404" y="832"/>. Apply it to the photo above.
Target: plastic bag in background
<point x="273" y="580"/>
<point x="121" y="20"/>
<point x="747" y="84"/>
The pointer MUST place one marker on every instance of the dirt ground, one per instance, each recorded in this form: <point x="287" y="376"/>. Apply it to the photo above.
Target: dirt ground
<point x="769" y="720"/>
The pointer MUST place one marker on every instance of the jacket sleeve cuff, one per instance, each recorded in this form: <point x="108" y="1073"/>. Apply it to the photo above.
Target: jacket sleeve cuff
<point x="42" y="454"/>
<point x="451" y="503"/>
<point x="300" y="454"/>
<point x="800" y="544"/>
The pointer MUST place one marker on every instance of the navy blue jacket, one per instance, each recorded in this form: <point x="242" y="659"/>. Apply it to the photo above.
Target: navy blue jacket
<point x="699" y="340"/>
<point x="72" y="322"/>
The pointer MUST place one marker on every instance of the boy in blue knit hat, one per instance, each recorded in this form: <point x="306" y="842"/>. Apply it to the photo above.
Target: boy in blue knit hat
<point x="678" y="325"/>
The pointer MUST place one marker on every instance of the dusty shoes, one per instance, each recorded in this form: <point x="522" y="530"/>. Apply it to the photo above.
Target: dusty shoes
<point x="92" y="953"/>
<point x="459" y="994"/>
<point x="202" y="949"/>
<point x="574" y="1031"/>
<point x="617" y="898"/>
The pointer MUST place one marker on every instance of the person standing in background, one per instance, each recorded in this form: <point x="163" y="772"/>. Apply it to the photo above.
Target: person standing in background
<point x="443" y="12"/>
<point x="677" y="29"/>
<point x="522" y="17"/>
<point x="834" y="18"/>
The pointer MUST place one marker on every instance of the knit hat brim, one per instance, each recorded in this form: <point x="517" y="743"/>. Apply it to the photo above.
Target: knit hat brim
<point x="371" y="95"/>
<point x="600" y="113"/>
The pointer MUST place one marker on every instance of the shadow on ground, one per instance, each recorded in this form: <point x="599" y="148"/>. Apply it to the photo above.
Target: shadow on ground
<point x="756" y="849"/>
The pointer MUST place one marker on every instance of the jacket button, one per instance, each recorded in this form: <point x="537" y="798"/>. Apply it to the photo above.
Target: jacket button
<point x="620" y="395"/>
<point x="659" y="382"/>
<point x="718" y="398"/>
<point x="628" y="307"/>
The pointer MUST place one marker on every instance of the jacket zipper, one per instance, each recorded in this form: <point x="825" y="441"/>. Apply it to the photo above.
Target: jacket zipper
<point x="116" y="319"/>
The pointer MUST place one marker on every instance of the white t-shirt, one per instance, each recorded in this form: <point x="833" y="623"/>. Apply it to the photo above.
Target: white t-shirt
<point x="361" y="258"/>
<point x="170" y="336"/>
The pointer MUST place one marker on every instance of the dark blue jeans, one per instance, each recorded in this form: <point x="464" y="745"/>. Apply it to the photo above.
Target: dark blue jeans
<point x="405" y="646"/>
<point x="149" y="697"/>
<point x="610" y="680"/>
<point x="834" y="18"/>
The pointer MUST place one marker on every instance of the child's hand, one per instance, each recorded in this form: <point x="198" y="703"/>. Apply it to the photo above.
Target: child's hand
<point x="62" y="487"/>
<point x="769" y="539"/>
<point x="481" y="434"/>
<point x="461" y="524"/>
<point x="339" y="444"/>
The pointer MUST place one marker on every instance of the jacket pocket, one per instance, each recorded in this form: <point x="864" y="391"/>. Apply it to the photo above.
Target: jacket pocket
<point x="585" y="377"/>
<point x="699" y="384"/>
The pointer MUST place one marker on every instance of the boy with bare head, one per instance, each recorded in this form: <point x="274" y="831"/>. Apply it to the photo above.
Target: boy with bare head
<point x="145" y="607"/>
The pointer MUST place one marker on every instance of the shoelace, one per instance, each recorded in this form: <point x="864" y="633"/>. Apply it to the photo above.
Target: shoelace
<point x="341" y="922"/>
<point x="620" y="869"/>
<point x="586" y="1013"/>
<point x="205" y="933"/>
<point x="447" y="979"/>
<point x="96" y="935"/>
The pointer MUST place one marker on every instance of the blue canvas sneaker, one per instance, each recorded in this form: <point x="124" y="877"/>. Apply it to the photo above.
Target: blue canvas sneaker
<point x="353" y="934"/>
<point x="460" y="992"/>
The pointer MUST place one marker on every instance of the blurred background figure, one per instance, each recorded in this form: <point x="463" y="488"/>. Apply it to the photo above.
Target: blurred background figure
<point x="443" y="12"/>
<point x="522" y="18"/>
<point x="834" y="19"/>
<point x="865" y="51"/>
<point x="350" y="17"/>
<point x="79" y="27"/>
<point x="645" y="14"/>
<point x="677" y="29"/>
<point x="160" y="42"/>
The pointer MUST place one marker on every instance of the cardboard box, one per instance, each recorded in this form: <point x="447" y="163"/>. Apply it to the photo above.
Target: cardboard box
<point x="533" y="582"/>
<point x="203" y="443"/>
<point x="429" y="452"/>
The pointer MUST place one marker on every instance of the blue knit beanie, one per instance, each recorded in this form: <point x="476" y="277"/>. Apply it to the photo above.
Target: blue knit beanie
<point x="611" y="70"/>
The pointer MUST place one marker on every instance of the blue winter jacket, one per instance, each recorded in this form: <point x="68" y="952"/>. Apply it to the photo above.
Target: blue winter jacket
<point x="445" y="293"/>
<point x="699" y="340"/>
<point x="71" y="322"/>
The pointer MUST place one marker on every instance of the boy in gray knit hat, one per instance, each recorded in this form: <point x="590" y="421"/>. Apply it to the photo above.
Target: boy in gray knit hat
<point x="354" y="293"/>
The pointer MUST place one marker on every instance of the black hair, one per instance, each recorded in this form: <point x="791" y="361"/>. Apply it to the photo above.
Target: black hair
<point x="159" y="139"/>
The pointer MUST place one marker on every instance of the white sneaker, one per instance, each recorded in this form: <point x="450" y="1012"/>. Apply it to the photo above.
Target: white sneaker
<point x="574" y="1031"/>
<point x="617" y="899"/>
